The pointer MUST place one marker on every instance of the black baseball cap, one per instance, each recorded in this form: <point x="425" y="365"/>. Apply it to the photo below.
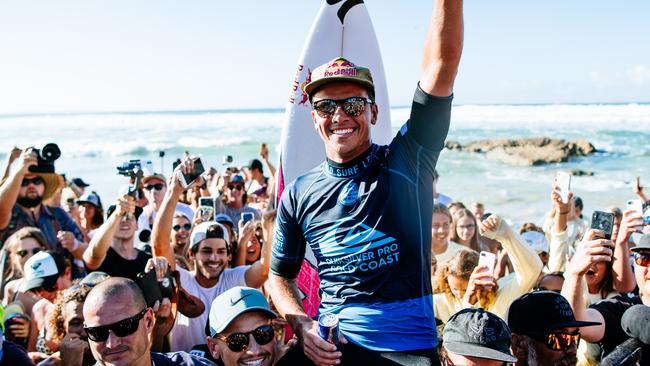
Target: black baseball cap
<point x="478" y="333"/>
<point x="255" y="164"/>
<point x="542" y="312"/>
<point x="79" y="182"/>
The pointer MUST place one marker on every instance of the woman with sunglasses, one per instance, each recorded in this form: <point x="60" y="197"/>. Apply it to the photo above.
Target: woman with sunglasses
<point x="18" y="248"/>
<point x="462" y="283"/>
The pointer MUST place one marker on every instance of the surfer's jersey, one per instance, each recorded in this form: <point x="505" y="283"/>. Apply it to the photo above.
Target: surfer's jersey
<point x="368" y="223"/>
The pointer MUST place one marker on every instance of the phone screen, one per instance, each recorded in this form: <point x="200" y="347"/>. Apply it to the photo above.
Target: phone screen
<point x="206" y="202"/>
<point x="603" y="221"/>
<point x="246" y="217"/>
<point x="198" y="170"/>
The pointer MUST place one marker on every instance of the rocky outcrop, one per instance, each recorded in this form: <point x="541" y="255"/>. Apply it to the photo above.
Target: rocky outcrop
<point x="531" y="151"/>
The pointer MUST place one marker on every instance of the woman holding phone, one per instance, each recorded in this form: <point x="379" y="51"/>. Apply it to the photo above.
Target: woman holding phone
<point x="465" y="282"/>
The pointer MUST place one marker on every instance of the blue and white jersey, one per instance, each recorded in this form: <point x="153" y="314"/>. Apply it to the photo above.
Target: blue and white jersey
<point x="368" y="223"/>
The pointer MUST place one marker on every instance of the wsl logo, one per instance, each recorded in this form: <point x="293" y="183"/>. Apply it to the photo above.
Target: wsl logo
<point x="349" y="195"/>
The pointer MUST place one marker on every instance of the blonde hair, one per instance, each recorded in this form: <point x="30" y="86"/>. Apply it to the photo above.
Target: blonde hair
<point x="462" y="265"/>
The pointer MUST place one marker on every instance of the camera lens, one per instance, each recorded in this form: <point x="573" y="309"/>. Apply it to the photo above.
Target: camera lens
<point x="50" y="152"/>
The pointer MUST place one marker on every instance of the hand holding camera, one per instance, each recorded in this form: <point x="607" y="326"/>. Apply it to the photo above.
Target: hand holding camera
<point x="591" y="250"/>
<point x="481" y="278"/>
<point x="157" y="282"/>
<point x="631" y="223"/>
<point x="125" y="206"/>
<point x="28" y="158"/>
<point x="559" y="204"/>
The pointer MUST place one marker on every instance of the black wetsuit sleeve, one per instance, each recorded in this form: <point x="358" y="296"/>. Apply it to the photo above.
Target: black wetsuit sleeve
<point x="288" y="244"/>
<point x="428" y="124"/>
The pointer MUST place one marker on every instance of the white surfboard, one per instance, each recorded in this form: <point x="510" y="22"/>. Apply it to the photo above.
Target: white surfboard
<point x="342" y="28"/>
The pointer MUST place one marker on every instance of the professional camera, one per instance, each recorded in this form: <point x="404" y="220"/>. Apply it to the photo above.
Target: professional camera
<point x="154" y="290"/>
<point x="46" y="157"/>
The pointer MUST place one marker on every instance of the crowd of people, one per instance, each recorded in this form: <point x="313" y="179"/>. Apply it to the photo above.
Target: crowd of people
<point x="205" y="271"/>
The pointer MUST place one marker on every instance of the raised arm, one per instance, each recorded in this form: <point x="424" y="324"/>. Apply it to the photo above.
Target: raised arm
<point x="622" y="270"/>
<point x="588" y="252"/>
<point x="525" y="261"/>
<point x="95" y="253"/>
<point x="162" y="225"/>
<point x="442" y="48"/>
<point x="559" y="245"/>
<point x="11" y="186"/>
<point x="258" y="273"/>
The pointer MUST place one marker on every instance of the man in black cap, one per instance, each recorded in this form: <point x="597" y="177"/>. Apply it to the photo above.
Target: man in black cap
<point x="476" y="337"/>
<point x="21" y="204"/>
<point x="608" y="312"/>
<point x="544" y="329"/>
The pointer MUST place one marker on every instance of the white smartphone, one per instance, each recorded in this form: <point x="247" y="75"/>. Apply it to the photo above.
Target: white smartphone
<point x="563" y="180"/>
<point x="487" y="259"/>
<point x="635" y="205"/>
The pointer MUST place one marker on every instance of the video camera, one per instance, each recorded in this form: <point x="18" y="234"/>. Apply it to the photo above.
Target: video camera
<point x="133" y="169"/>
<point x="46" y="157"/>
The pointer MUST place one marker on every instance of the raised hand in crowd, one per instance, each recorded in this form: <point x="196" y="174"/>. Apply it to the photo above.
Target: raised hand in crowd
<point x="72" y="349"/>
<point x="638" y="190"/>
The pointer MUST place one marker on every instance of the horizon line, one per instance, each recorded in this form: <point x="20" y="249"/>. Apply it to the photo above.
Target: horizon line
<point x="274" y="109"/>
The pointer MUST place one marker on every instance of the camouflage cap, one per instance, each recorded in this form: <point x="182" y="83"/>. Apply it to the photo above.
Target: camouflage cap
<point x="339" y="69"/>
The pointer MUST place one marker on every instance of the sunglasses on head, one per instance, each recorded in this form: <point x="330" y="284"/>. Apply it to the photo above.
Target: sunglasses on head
<point x="641" y="258"/>
<point x="157" y="186"/>
<point x="557" y="341"/>
<point x="35" y="181"/>
<point x="238" y="342"/>
<point x="186" y="227"/>
<point x="353" y="106"/>
<point x="24" y="252"/>
<point x="238" y="187"/>
<point x="123" y="328"/>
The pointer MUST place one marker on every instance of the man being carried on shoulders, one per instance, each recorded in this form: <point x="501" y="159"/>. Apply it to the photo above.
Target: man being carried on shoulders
<point x="366" y="212"/>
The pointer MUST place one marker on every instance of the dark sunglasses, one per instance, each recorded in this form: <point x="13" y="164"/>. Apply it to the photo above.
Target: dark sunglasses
<point x="123" y="328"/>
<point x="236" y="186"/>
<point x="157" y="186"/>
<point x="557" y="341"/>
<point x="37" y="181"/>
<point x="238" y="342"/>
<point x="186" y="227"/>
<point x="352" y="106"/>
<point x="641" y="259"/>
<point x="24" y="252"/>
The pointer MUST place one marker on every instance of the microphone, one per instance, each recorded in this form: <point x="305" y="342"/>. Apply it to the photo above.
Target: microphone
<point x="635" y="324"/>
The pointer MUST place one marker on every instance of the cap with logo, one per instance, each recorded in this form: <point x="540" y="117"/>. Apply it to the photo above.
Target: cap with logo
<point x="339" y="69"/>
<point x="208" y="230"/>
<point x="478" y="333"/>
<point x="537" y="241"/>
<point x="42" y="270"/>
<point x="551" y="310"/>
<point x="234" y="302"/>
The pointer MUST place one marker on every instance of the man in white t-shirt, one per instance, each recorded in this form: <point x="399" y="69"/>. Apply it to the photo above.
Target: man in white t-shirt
<point x="211" y="254"/>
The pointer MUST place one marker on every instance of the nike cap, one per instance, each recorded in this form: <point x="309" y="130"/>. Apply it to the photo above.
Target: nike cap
<point x="234" y="302"/>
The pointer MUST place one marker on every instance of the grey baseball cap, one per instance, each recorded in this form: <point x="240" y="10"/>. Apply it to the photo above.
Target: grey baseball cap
<point x="207" y="230"/>
<point x="234" y="302"/>
<point x="643" y="243"/>
<point x="478" y="333"/>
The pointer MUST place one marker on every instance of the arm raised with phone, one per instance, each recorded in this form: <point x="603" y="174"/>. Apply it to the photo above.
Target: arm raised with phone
<point x="526" y="263"/>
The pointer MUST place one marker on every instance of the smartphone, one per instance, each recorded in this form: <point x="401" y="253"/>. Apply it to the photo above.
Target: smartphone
<point x="635" y="205"/>
<point x="246" y="217"/>
<point x="487" y="259"/>
<point x="206" y="208"/>
<point x="563" y="180"/>
<point x="187" y="179"/>
<point x="603" y="221"/>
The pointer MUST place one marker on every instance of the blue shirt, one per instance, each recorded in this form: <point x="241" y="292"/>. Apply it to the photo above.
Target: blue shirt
<point x="50" y="221"/>
<point x="368" y="223"/>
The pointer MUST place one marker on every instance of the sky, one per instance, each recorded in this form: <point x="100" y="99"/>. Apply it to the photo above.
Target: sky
<point x="147" y="55"/>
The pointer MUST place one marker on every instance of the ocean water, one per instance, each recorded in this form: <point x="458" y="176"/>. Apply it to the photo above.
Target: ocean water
<point x="94" y="144"/>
